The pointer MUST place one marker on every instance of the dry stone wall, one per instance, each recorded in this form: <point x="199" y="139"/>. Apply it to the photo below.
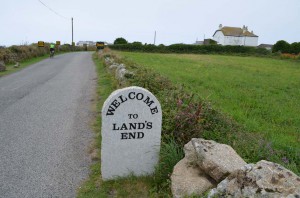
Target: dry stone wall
<point x="216" y="168"/>
<point x="119" y="70"/>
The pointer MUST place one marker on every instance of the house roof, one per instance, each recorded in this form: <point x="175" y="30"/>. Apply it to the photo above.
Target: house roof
<point x="235" y="31"/>
<point x="265" y="45"/>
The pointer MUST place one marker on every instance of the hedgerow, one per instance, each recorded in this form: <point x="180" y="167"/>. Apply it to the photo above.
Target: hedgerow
<point x="195" y="49"/>
<point x="20" y="53"/>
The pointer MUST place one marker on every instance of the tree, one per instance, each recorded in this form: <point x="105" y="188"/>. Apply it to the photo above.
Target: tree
<point x="295" y="48"/>
<point x="120" y="41"/>
<point x="282" y="46"/>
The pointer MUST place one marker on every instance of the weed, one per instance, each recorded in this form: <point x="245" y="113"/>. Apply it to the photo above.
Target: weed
<point x="170" y="154"/>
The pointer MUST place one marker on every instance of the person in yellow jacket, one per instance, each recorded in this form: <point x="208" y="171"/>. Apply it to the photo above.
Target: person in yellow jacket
<point x="52" y="49"/>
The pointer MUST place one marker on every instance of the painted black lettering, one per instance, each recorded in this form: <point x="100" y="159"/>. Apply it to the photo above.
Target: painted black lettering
<point x="154" y="110"/>
<point x="132" y="135"/>
<point x="149" y="125"/>
<point x="110" y="110"/>
<point x="114" y="127"/>
<point x="141" y="125"/>
<point x="132" y="126"/>
<point x="124" y="127"/>
<point x="140" y="135"/>
<point x="131" y="95"/>
<point x="124" y="136"/>
<point x="123" y="99"/>
<point x="115" y="103"/>
<point x="148" y="102"/>
<point x="140" y="96"/>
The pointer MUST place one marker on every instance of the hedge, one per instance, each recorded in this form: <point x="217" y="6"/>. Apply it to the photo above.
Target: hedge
<point x="194" y="49"/>
<point x="16" y="53"/>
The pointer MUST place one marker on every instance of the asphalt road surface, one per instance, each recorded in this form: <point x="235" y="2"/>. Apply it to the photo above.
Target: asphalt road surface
<point x="44" y="127"/>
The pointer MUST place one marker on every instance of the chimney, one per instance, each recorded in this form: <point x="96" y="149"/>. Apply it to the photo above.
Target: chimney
<point x="245" y="28"/>
<point x="220" y="26"/>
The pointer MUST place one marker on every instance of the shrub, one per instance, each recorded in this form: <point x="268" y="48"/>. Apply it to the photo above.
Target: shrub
<point x="120" y="41"/>
<point x="295" y="48"/>
<point x="281" y="46"/>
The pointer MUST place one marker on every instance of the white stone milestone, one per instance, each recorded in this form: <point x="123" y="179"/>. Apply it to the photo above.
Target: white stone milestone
<point x="131" y="133"/>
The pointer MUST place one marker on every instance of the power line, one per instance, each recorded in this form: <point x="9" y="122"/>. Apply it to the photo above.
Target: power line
<point x="53" y="10"/>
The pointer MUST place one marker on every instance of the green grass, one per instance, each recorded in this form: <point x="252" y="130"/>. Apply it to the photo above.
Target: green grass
<point x="10" y="68"/>
<point x="261" y="94"/>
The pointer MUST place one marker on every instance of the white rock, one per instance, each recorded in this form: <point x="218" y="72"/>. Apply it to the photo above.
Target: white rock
<point x="113" y="66"/>
<point x="217" y="160"/>
<point x="188" y="180"/>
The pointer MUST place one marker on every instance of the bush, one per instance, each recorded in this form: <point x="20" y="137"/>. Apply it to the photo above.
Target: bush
<point x="120" y="41"/>
<point x="295" y="48"/>
<point x="281" y="46"/>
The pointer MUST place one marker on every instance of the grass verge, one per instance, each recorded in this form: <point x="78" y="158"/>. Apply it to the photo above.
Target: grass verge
<point x="94" y="187"/>
<point x="10" y="67"/>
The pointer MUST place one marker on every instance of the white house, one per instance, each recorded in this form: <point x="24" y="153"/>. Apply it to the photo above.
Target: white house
<point x="235" y="36"/>
<point x="88" y="43"/>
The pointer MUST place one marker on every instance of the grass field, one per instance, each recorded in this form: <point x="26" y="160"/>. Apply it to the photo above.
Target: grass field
<point x="262" y="94"/>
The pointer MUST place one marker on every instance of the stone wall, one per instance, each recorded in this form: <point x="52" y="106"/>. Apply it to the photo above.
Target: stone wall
<point x="216" y="169"/>
<point x="119" y="70"/>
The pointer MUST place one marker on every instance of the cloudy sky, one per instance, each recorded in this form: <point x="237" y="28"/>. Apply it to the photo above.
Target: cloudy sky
<point x="175" y="21"/>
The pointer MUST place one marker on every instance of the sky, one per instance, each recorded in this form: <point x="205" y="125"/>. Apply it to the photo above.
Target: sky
<point x="175" y="21"/>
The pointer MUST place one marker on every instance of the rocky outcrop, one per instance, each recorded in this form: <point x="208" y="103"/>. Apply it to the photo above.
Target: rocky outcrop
<point x="2" y="66"/>
<point x="217" y="160"/>
<point x="263" y="179"/>
<point x="208" y="163"/>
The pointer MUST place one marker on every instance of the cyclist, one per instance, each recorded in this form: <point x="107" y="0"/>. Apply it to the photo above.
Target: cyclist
<point x="52" y="49"/>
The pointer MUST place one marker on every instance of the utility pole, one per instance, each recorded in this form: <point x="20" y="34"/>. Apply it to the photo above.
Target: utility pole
<point x="72" y="32"/>
<point x="154" y="37"/>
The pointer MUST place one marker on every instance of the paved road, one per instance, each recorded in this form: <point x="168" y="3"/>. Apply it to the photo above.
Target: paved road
<point x="44" y="127"/>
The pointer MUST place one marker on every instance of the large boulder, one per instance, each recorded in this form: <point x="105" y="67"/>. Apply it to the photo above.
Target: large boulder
<point x="2" y="66"/>
<point x="190" y="154"/>
<point x="189" y="180"/>
<point x="216" y="160"/>
<point x="264" y="179"/>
